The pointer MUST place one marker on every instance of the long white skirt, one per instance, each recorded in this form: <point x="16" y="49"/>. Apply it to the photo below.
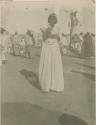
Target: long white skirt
<point x="51" y="68"/>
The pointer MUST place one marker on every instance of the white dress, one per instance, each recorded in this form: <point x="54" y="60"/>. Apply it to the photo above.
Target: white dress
<point x="51" y="68"/>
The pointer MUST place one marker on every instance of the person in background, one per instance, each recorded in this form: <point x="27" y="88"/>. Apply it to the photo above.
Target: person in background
<point x="87" y="47"/>
<point x="80" y="42"/>
<point x="12" y="51"/>
<point x="81" y="36"/>
<point x="76" y="43"/>
<point x="28" y="44"/>
<point x="4" y="46"/>
<point x="32" y="38"/>
<point x="22" y="45"/>
<point x="9" y="43"/>
<point x="2" y="30"/>
<point x="93" y="43"/>
<point x="16" y="41"/>
<point x="16" y="37"/>
<point x="64" y="43"/>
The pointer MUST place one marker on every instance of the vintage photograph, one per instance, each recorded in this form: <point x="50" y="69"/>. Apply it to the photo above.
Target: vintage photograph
<point x="47" y="62"/>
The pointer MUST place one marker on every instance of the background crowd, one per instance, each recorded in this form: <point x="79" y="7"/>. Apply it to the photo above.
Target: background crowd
<point x="82" y="44"/>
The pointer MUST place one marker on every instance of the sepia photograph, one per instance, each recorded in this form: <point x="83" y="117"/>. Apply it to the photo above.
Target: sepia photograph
<point x="47" y="62"/>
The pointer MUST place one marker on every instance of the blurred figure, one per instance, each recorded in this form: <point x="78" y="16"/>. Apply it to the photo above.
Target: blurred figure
<point x="81" y="36"/>
<point x="28" y="44"/>
<point x="12" y="51"/>
<point x="9" y="43"/>
<point x="16" y="41"/>
<point x="32" y="38"/>
<point x="87" y="46"/>
<point x="74" y="40"/>
<point x="80" y="42"/>
<point x="22" y="45"/>
<point x="31" y="34"/>
<point x="64" y="43"/>
<point x="4" y="46"/>
<point x="93" y="43"/>
<point x="76" y="43"/>
<point x="1" y="34"/>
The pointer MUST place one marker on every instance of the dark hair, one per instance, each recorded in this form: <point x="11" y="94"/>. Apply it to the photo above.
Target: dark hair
<point x="92" y="34"/>
<point x="2" y="30"/>
<point x="16" y="33"/>
<point x="63" y="34"/>
<point x="51" y="17"/>
<point x="81" y="33"/>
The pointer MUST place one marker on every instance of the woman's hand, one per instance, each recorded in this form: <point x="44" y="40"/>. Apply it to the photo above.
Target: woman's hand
<point x="54" y="36"/>
<point x="46" y="33"/>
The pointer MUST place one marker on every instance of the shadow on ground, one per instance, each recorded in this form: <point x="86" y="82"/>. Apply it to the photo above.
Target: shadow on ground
<point x="88" y="75"/>
<point x="67" y="119"/>
<point x="29" y="114"/>
<point x="87" y="66"/>
<point x="74" y="56"/>
<point x="31" y="77"/>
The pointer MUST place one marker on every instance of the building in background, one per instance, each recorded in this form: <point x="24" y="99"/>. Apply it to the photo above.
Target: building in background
<point x="16" y="16"/>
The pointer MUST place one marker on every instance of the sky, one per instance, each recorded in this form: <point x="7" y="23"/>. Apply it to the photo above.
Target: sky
<point x="32" y="15"/>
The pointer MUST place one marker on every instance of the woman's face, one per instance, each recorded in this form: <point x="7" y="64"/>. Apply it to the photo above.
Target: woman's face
<point x="52" y="22"/>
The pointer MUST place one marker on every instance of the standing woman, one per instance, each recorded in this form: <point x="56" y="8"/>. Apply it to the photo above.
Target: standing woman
<point x="51" y="68"/>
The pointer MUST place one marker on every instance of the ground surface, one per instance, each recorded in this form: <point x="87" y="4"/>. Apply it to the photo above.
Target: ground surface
<point x="23" y="103"/>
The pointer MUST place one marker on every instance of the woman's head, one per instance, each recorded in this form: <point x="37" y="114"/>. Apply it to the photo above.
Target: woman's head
<point x="52" y="19"/>
<point x="16" y="33"/>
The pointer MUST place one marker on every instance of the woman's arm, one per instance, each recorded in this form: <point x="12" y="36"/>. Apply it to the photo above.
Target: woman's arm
<point x="54" y="36"/>
<point x="46" y="33"/>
